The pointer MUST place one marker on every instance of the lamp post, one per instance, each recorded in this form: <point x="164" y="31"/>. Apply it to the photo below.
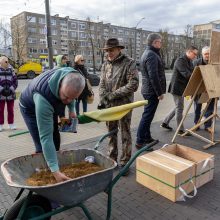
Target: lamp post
<point x="135" y="37"/>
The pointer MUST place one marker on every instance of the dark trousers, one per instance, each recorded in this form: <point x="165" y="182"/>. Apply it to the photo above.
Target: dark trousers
<point x="31" y="122"/>
<point x="84" y="103"/>
<point x="143" y="133"/>
<point x="197" y="109"/>
<point x="10" y="109"/>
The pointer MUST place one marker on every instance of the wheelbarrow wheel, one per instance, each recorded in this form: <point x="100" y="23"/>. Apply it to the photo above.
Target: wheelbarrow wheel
<point x="37" y="205"/>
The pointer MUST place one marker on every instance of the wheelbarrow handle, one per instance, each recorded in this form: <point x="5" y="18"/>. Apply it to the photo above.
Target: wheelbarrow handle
<point x="103" y="138"/>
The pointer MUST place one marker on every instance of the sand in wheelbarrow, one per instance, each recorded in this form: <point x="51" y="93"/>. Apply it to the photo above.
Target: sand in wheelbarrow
<point x="45" y="177"/>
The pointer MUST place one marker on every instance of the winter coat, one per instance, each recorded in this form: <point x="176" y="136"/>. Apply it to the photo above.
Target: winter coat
<point x="83" y="71"/>
<point x="153" y="74"/>
<point x="8" y="84"/>
<point x="182" y="71"/>
<point x="119" y="81"/>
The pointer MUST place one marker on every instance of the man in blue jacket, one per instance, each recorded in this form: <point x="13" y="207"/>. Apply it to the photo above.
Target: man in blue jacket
<point x="41" y="103"/>
<point x="153" y="86"/>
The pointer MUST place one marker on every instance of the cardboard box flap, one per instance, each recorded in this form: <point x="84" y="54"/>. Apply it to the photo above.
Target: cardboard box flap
<point x="196" y="156"/>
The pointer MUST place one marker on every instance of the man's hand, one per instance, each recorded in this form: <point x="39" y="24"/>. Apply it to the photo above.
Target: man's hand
<point x="60" y="177"/>
<point x="161" y="97"/>
<point x="72" y="114"/>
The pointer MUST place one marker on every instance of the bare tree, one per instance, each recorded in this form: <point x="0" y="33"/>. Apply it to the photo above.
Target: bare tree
<point x="90" y="37"/>
<point x="19" y="38"/>
<point x="165" y="46"/>
<point x="73" y="47"/>
<point x="188" y="32"/>
<point x="5" y="35"/>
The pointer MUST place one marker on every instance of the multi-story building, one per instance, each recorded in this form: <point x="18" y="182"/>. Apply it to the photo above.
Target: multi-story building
<point x="203" y="31"/>
<point x="72" y="36"/>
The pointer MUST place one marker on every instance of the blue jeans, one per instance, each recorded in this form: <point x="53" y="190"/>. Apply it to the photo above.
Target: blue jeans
<point x="209" y="111"/>
<point x="84" y="102"/>
<point x="143" y="133"/>
<point x="31" y="122"/>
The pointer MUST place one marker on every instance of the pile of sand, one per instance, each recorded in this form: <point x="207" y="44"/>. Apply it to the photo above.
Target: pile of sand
<point x="43" y="178"/>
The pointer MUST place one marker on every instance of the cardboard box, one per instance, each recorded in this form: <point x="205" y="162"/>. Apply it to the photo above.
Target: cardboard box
<point x="164" y="173"/>
<point x="204" y="161"/>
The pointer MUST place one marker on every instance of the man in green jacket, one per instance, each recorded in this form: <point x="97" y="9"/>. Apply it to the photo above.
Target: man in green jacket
<point x="41" y="103"/>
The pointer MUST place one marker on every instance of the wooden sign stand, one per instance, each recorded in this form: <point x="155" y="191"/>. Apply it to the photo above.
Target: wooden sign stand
<point x="205" y="81"/>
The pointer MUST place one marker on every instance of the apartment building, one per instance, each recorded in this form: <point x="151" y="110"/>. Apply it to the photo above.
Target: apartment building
<point x="72" y="36"/>
<point x="203" y="31"/>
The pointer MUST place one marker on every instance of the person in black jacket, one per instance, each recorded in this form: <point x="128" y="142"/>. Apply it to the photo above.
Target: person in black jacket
<point x="153" y="86"/>
<point x="198" y="106"/>
<point x="182" y="71"/>
<point x="79" y="66"/>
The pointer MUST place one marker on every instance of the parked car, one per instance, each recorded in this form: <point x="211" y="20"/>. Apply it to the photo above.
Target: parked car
<point x="94" y="79"/>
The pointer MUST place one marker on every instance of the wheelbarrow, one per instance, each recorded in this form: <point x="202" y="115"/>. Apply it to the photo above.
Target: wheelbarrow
<point x="72" y="193"/>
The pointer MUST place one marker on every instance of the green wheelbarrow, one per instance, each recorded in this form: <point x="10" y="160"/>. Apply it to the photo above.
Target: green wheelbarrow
<point x="72" y="193"/>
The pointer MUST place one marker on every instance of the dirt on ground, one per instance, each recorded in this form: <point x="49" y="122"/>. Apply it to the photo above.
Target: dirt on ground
<point x="45" y="177"/>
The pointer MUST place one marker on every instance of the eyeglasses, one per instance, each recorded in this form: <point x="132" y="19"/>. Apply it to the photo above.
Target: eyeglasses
<point x="195" y="53"/>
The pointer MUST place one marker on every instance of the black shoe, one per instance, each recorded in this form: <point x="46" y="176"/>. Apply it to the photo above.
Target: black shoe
<point x="166" y="126"/>
<point x="126" y="173"/>
<point x="139" y="146"/>
<point x="181" y="132"/>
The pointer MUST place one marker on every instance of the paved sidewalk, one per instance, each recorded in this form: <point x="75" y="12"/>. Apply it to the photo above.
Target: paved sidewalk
<point x="133" y="201"/>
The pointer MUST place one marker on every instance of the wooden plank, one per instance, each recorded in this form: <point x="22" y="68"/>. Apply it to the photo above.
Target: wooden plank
<point x="214" y="57"/>
<point x="211" y="79"/>
<point x="193" y="83"/>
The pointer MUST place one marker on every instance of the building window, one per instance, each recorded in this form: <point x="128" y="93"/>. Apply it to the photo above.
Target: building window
<point x="73" y="25"/>
<point x="53" y="22"/>
<point x="32" y="50"/>
<point x="32" y="40"/>
<point x="83" y="43"/>
<point x="54" y="42"/>
<point x="42" y="41"/>
<point x="82" y="35"/>
<point x="32" y="30"/>
<point x="73" y="34"/>
<point x="42" y="21"/>
<point x="43" y="30"/>
<point x="54" y="32"/>
<point x="126" y="32"/>
<point x="114" y="31"/>
<point x="43" y="51"/>
<point x="31" y="19"/>
<point x="120" y="32"/>
<point x="82" y="26"/>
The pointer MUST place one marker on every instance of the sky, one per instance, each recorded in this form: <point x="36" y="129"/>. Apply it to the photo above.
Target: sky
<point x="152" y="15"/>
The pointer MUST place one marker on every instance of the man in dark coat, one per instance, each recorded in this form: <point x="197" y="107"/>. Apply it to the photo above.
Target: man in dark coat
<point x="183" y="69"/>
<point x="153" y="86"/>
<point x="198" y="106"/>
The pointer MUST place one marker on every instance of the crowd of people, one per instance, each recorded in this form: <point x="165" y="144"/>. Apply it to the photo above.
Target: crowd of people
<point x="43" y="101"/>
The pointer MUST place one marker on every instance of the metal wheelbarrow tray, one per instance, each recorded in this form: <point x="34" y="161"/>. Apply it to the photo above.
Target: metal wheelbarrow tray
<point x="71" y="192"/>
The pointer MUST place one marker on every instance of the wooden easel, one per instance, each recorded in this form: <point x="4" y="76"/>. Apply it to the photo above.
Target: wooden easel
<point x="205" y="81"/>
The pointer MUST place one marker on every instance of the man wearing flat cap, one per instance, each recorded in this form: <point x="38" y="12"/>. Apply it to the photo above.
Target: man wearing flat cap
<point x="119" y="81"/>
